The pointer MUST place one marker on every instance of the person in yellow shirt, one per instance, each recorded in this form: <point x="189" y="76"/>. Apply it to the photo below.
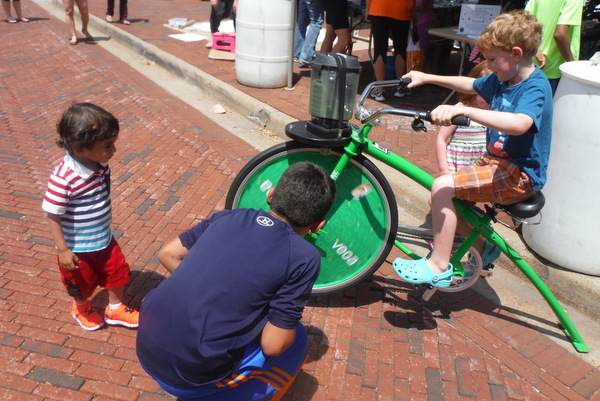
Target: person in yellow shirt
<point x="562" y="32"/>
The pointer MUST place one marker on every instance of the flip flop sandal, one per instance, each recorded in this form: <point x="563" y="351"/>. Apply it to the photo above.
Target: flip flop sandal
<point x="125" y="22"/>
<point x="23" y="19"/>
<point x="11" y="21"/>
<point x="109" y="18"/>
<point x="418" y="272"/>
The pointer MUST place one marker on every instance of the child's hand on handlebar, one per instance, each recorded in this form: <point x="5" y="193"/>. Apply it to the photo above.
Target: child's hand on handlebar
<point x="417" y="78"/>
<point x="443" y="115"/>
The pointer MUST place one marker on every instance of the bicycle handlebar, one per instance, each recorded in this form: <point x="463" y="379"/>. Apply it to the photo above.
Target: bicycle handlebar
<point x="364" y="116"/>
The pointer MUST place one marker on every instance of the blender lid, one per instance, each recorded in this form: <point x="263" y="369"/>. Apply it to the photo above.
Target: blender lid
<point x="327" y="61"/>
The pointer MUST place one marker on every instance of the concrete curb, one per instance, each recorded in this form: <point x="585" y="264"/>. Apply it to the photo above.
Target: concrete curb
<point x="579" y="291"/>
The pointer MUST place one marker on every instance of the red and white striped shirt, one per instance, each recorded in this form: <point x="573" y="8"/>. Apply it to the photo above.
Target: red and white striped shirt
<point x="82" y="198"/>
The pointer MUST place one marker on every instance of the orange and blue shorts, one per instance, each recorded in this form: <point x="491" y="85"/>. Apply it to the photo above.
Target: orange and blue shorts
<point x="492" y="179"/>
<point x="257" y="378"/>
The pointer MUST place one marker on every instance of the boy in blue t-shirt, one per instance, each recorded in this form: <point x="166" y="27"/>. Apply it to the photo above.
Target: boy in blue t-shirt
<point x="226" y="324"/>
<point x="519" y="123"/>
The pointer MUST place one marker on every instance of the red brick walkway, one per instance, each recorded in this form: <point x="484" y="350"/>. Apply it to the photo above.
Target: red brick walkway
<point x="173" y="167"/>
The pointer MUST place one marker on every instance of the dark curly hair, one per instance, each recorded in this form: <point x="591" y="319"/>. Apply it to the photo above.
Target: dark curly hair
<point x="304" y="194"/>
<point x="83" y="124"/>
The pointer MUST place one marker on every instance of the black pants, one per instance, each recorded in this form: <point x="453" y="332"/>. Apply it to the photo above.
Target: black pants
<point x="224" y="9"/>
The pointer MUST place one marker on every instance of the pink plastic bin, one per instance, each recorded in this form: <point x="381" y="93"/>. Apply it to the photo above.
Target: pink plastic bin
<point x="224" y="41"/>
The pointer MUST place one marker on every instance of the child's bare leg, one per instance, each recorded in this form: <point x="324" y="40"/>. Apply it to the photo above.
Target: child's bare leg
<point x="117" y="313"/>
<point x="444" y="223"/>
<point x="115" y="296"/>
<point x="464" y="229"/>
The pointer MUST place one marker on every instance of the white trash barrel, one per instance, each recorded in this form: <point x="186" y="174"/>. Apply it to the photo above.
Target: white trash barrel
<point x="569" y="234"/>
<point x="264" y="42"/>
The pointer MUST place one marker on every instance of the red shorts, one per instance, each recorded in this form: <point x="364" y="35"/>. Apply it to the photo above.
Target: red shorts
<point x="105" y="268"/>
<point x="492" y="179"/>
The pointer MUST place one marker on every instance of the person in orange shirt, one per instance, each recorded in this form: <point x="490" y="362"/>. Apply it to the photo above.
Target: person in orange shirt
<point x="389" y="16"/>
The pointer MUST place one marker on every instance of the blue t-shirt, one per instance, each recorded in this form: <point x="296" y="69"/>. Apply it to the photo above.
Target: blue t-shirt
<point x="243" y="268"/>
<point x="532" y="97"/>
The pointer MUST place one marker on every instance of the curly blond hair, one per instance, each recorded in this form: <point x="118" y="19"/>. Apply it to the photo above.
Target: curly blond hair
<point x="513" y="29"/>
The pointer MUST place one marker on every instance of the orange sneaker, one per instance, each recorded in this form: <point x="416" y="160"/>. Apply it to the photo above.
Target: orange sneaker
<point x="86" y="316"/>
<point x="123" y="315"/>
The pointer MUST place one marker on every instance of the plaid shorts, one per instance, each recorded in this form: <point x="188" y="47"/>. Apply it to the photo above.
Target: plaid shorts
<point x="492" y="179"/>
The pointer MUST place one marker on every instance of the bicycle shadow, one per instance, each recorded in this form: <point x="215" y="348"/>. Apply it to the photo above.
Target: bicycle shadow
<point x="364" y="293"/>
<point x="481" y="298"/>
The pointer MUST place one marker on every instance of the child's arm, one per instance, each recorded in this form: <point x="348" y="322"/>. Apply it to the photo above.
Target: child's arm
<point x="66" y="258"/>
<point x="506" y="122"/>
<point x="442" y="140"/>
<point x="456" y="83"/>
<point x="171" y="254"/>
<point x="275" y="341"/>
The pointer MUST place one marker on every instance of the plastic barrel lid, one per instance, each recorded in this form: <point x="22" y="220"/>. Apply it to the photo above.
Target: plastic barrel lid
<point x="582" y="71"/>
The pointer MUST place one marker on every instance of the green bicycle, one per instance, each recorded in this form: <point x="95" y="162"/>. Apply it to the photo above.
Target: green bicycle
<point x="362" y="226"/>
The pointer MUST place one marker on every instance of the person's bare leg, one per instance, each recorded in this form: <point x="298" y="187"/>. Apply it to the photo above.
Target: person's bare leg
<point x="84" y="12"/>
<point x="379" y="68"/>
<point x="69" y="19"/>
<point x="444" y="222"/>
<point x="6" y="7"/>
<point x="17" y="6"/>
<point x="343" y="40"/>
<point x="464" y="229"/>
<point x="400" y="66"/>
<point x="328" y="39"/>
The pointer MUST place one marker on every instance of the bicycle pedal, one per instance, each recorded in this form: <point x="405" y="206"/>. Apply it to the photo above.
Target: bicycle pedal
<point x="486" y="273"/>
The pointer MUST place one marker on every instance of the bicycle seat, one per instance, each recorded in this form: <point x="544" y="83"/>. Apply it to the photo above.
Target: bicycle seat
<point x="527" y="208"/>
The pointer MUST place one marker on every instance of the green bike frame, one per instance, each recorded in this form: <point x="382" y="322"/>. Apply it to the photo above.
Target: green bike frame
<point x="482" y="224"/>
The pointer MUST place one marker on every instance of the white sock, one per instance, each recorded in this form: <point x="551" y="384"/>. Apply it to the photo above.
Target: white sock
<point x="113" y="307"/>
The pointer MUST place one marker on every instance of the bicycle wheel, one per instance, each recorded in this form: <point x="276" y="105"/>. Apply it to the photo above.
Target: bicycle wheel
<point x="361" y="225"/>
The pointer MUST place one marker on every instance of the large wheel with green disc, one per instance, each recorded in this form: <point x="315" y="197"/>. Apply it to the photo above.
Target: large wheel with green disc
<point x="361" y="225"/>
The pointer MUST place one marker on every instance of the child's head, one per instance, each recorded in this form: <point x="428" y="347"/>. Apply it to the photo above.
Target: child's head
<point x="513" y="29"/>
<point x="83" y="124"/>
<point x="480" y="70"/>
<point x="303" y="195"/>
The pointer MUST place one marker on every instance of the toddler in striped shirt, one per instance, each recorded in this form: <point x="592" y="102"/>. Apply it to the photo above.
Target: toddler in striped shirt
<point x="77" y="202"/>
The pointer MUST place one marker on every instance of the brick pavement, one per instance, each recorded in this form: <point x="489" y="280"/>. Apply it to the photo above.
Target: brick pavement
<point x="173" y="166"/>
